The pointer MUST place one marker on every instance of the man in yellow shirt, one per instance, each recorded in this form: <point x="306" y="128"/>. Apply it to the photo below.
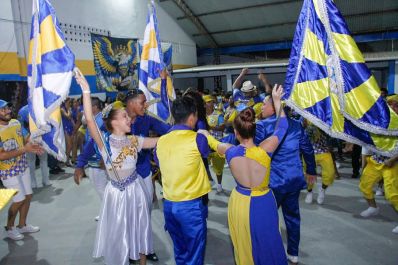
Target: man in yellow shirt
<point x="216" y="128"/>
<point x="185" y="183"/>
<point x="14" y="171"/>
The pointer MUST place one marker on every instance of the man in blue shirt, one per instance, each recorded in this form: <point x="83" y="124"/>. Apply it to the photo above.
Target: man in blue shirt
<point x="287" y="177"/>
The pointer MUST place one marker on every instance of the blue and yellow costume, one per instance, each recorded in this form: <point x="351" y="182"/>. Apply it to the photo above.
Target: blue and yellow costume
<point x="217" y="162"/>
<point x="185" y="182"/>
<point x="253" y="216"/>
<point x="323" y="157"/>
<point x="241" y="101"/>
<point x="11" y="139"/>
<point x="287" y="177"/>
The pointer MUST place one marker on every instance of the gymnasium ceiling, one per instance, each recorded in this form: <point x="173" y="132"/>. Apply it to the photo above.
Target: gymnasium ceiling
<point x="225" y="23"/>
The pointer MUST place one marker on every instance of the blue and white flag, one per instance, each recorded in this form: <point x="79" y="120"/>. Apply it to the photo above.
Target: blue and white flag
<point x="151" y="63"/>
<point x="50" y="68"/>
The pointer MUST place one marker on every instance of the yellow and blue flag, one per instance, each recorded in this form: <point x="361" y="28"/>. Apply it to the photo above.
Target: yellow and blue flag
<point x="151" y="63"/>
<point x="328" y="82"/>
<point x="50" y="68"/>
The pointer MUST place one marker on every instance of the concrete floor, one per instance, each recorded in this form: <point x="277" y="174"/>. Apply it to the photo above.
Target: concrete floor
<point x="330" y="234"/>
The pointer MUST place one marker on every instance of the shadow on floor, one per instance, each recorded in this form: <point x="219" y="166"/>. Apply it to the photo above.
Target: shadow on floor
<point x="22" y="252"/>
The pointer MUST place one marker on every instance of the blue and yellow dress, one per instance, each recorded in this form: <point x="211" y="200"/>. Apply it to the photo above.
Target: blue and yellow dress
<point x="253" y="216"/>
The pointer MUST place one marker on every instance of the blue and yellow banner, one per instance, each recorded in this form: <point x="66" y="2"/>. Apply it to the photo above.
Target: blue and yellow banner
<point x="115" y="63"/>
<point x="328" y="82"/>
<point x="50" y="66"/>
<point x="151" y="63"/>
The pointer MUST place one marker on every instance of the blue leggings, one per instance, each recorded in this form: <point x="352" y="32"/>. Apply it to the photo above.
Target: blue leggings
<point x="187" y="226"/>
<point x="291" y="214"/>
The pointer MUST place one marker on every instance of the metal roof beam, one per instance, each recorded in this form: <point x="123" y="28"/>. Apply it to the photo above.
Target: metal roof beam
<point x="242" y="8"/>
<point x="196" y="21"/>
<point x="288" y="44"/>
<point x="295" y="22"/>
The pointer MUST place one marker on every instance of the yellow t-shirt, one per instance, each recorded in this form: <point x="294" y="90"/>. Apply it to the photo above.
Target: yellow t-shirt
<point x="11" y="139"/>
<point x="184" y="175"/>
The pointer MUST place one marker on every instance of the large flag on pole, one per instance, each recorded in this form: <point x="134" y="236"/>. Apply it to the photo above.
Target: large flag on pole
<point x="328" y="82"/>
<point x="151" y="63"/>
<point x="50" y="67"/>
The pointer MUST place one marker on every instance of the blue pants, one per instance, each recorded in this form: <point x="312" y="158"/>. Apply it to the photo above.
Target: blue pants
<point x="291" y="213"/>
<point x="187" y="226"/>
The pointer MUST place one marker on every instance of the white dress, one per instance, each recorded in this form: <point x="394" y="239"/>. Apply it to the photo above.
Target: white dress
<point x="124" y="227"/>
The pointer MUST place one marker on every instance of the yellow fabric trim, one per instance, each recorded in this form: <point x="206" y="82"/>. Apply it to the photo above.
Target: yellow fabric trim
<point x="347" y="48"/>
<point x="360" y="99"/>
<point x="213" y="143"/>
<point x="393" y="120"/>
<point x="151" y="44"/>
<point x="313" y="48"/>
<point x="384" y="142"/>
<point x="307" y="94"/>
<point x="51" y="40"/>
<point x="338" y="119"/>
<point x="38" y="55"/>
<point x="32" y="125"/>
<point x="239" y="227"/>
<point x="56" y="115"/>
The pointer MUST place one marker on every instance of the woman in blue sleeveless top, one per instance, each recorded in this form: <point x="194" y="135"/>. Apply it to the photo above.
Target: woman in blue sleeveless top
<point x="252" y="211"/>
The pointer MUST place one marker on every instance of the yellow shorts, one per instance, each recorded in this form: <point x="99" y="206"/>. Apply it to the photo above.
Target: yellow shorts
<point x="325" y="161"/>
<point x="217" y="163"/>
<point x="373" y="173"/>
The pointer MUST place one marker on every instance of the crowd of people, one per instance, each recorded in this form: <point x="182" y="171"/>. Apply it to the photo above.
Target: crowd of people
<point x="270" y="150"/>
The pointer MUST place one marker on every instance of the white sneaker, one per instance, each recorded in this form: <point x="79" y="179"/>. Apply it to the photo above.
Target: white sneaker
<point x="96" y="218"/>
<point x="14" y="234"/>
<point x="321" y="196"/>
<point x="308" y="198"/>
<point x="371" y="211"/>
<point x="338" y="165"/>
<point x="219" y="188"/>
<point x="395" y="230"/>
<point x="28" y="229"/>
<point x="379" y="191"/>
<point x="292" y="259"/>
<point x="45" y="184"/>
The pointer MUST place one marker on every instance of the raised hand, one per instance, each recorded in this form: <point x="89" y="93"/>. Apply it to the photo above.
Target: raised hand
<point x="277" y="92"/>
<point x="81" y="80"/>
<point x="244" y="71"/>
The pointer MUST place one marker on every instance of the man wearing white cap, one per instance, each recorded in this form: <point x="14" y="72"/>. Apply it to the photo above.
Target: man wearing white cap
<point x="14" y="171"/>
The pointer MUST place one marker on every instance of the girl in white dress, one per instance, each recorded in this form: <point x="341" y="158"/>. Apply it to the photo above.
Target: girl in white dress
<point x="124" y="227"/>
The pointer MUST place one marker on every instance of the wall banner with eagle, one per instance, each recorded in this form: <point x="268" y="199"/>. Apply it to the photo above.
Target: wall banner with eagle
<point x="115" y="63"/>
